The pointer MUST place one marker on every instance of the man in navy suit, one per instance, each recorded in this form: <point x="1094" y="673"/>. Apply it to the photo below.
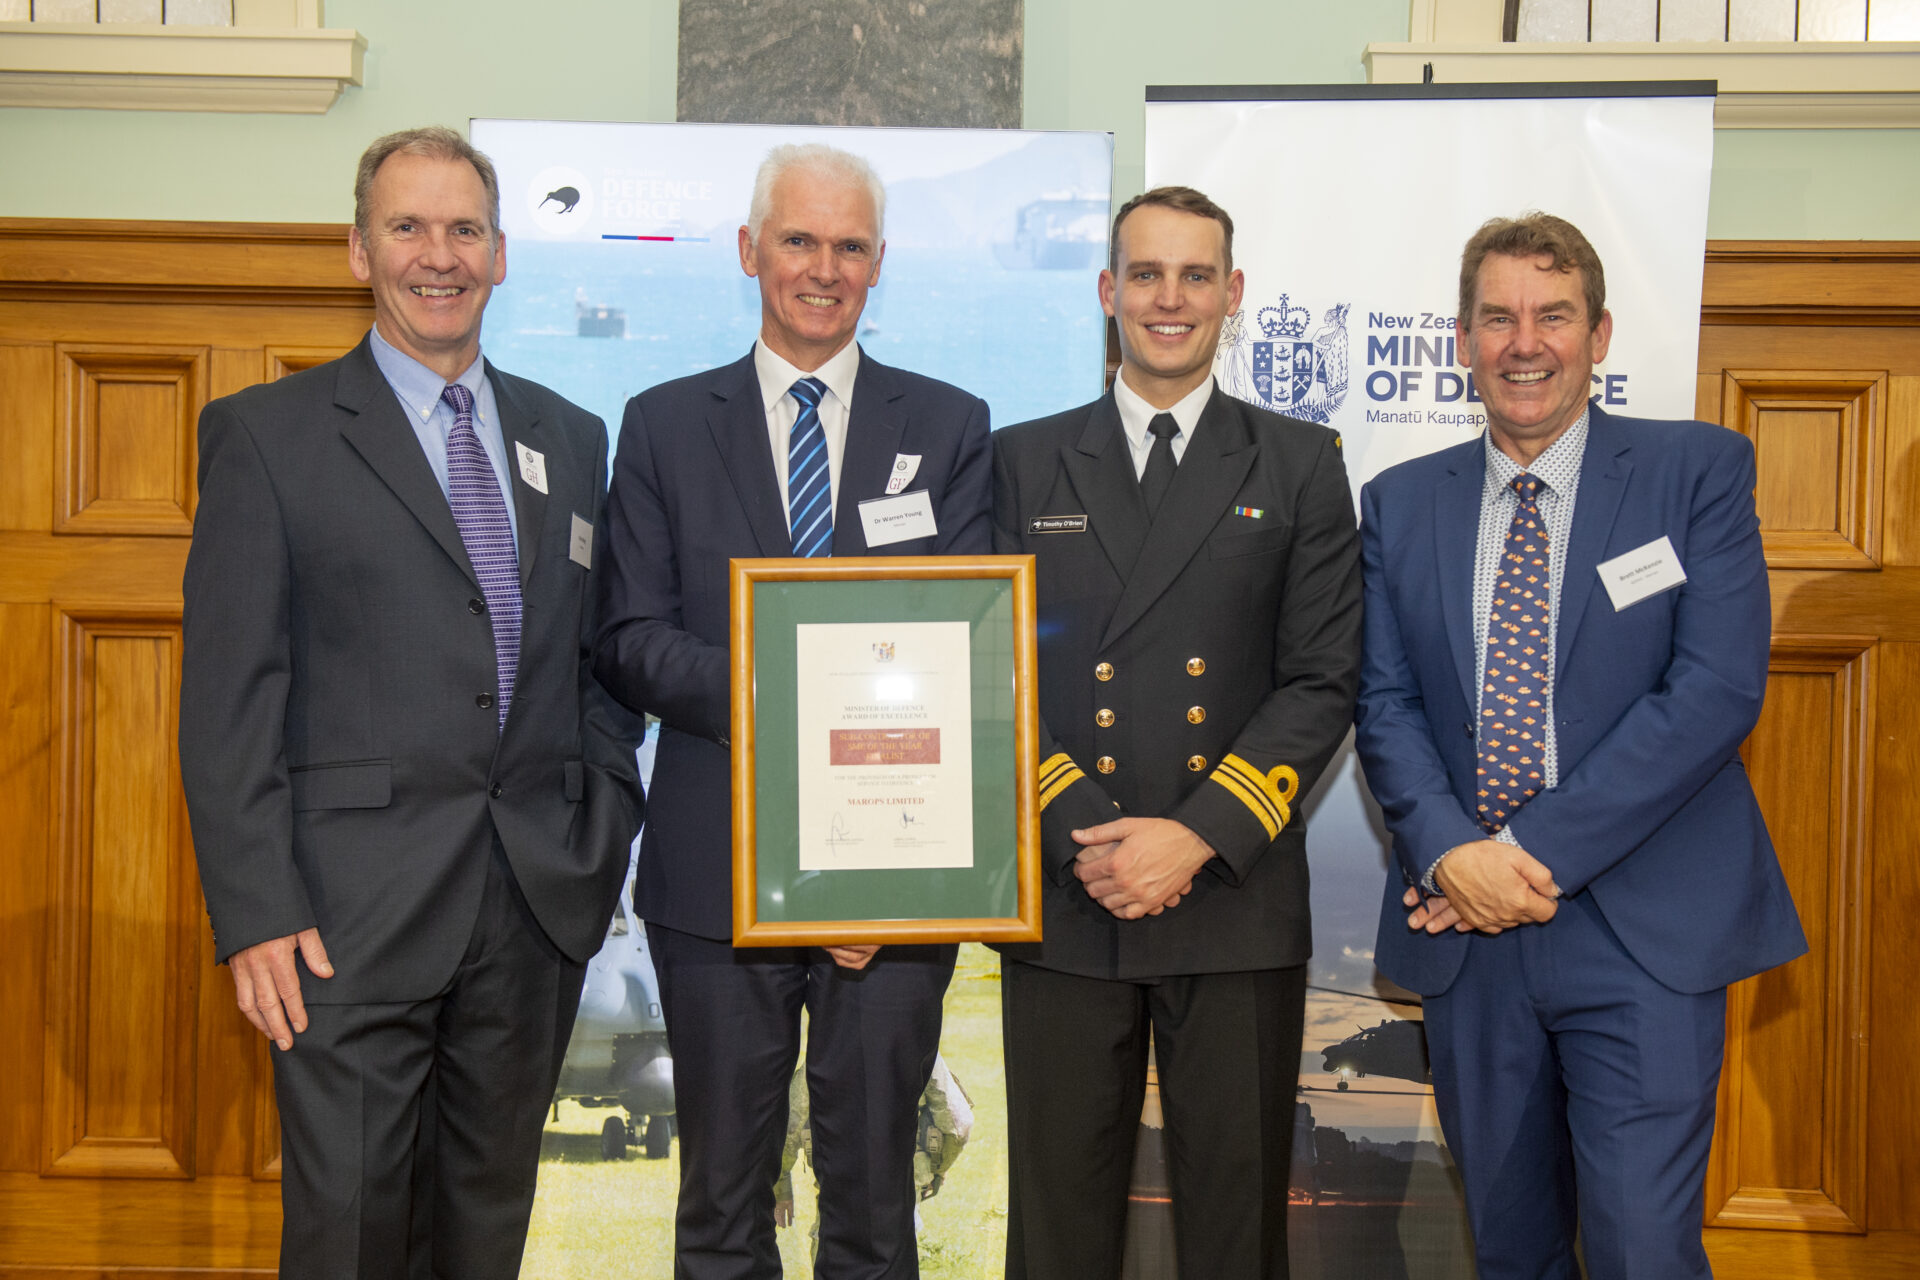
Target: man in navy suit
<point x="782" y="453"/>
<point x="1566" y="642"/>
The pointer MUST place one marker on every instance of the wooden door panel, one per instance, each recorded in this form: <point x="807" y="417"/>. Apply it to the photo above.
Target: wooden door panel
<point x="1792" y="1147"/>
<point x="123" y="960"/>
<point x="126" y="437"/>
<point x="1816" y="439"/>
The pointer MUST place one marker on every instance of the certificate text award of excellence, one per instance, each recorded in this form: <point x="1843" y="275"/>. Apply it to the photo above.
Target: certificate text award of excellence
<point x="885" y="745"/>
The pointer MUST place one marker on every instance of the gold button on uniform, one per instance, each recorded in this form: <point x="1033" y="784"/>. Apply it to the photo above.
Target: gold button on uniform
<point x="1196" y="763"/>
<point x="1103" y="718"/>
<point x="1196" y="714"/>
<point x="1105" y="671"/>
<point x="1196" y="665"/>
<point x="1105" y="764"/>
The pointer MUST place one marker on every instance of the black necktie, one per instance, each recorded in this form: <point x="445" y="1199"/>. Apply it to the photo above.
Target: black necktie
<point x="1159" y="473"/>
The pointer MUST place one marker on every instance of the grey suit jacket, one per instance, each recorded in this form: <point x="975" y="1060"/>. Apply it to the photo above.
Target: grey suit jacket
<point x="339" y="769"/>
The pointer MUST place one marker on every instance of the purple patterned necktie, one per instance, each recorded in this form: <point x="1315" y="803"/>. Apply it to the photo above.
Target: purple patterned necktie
<point x="478" y="508"/>
<point x="1513" y="696"/>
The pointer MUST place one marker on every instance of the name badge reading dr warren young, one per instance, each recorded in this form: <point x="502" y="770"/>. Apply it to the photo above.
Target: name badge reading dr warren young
<point x="901" y="519"/>
<point x="1642" y="572"/>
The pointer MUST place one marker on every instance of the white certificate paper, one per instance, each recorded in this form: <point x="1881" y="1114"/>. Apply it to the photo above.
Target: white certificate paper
<point x="886" y="745"/>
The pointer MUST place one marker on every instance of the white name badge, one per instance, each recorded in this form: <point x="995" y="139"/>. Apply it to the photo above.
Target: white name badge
<point x="905" y="467"/>
<point x="580" y="544"/>
<point x="533" y="466"/>
<point x="1642" y="572"/>
<point x="890" y="520"/>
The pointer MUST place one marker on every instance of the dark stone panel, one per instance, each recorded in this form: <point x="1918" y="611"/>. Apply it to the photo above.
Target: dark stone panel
<point x="869" y="62"/>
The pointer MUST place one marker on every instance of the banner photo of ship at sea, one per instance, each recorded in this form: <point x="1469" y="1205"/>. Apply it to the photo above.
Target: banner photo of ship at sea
<point x="624" y="268"/>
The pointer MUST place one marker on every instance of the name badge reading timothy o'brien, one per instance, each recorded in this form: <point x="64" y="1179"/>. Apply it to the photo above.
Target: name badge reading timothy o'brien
<point x="1057" y="524"/>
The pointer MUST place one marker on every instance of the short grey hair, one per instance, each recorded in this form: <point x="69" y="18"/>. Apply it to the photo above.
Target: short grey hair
<point x="433" y="142"/>
<point x="822" y="161"/>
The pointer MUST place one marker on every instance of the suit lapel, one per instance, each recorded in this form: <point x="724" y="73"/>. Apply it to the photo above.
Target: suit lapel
<point x="378" y="430"/>
<point x="1603" y="480"/>
<point x="520" y="425"/>
<point x="1100" y="467"/>
<point x="738" y="421"/>
<point x="1210" y="473"/>
<point x="1456" y="541"/>
<point x="875" y="429"/>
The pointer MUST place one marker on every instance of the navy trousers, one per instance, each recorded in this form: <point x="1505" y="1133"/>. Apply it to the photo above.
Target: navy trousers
<point x="733" y="1024"/>
<point x="1577" y="1094"/>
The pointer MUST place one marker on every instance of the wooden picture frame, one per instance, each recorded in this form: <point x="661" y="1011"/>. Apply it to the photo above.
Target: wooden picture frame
<point x="807" y="869"/>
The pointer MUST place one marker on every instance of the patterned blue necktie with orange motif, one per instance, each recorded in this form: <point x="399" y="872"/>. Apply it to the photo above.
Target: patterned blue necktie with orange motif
<point x="1513" y="694"/>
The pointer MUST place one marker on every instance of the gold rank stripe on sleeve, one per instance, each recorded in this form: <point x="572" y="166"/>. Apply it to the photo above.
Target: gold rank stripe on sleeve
<point x="1269" y="795"/>
<point x="1056" y="775"/>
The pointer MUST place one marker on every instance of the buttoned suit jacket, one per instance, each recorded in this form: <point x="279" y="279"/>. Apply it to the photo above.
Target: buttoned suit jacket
<point x="1251" y="574"/>
<point x="694" y="486"/>
<point x="1653" y="815"/>
<point x="338" y="768"/>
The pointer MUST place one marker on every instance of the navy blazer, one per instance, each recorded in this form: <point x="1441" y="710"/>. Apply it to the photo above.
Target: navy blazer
<point x="1654" y="815"/>
<point x="693" y="487"/>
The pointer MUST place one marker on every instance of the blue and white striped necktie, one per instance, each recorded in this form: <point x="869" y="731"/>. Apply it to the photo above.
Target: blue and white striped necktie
<point x="473" y="490"/>
<point x="809" y="491"/>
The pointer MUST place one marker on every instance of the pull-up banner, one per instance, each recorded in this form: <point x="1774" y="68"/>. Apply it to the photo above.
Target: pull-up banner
<point x="1351" y="205"/>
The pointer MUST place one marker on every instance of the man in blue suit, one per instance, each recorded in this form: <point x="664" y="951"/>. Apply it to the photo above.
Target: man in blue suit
<point x="1566" y="642"/>
<point x="798" y="449"/>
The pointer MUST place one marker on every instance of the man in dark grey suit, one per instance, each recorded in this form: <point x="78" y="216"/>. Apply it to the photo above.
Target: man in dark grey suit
<point x="411" y="803"/>
<point x="1199" y="620"/>
<point x="775" y="455"/>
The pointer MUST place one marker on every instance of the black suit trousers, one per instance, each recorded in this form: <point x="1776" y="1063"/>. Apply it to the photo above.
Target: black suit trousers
<point x="1226" y="1047"/>
<point x="411" y="1131"/>
<point x="733" y="1024"/>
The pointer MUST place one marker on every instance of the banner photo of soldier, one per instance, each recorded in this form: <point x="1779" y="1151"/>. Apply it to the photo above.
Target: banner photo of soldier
<point x="624" y="273"/>
<point x="1348" y="320"/>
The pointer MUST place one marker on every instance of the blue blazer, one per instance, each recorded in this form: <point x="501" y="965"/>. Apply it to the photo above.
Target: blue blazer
<point x="694" y="486"/>
<point x="1654" y="815"/>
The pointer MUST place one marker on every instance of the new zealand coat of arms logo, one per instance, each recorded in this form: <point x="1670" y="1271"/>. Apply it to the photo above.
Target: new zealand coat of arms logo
<point x="1281" y="368"/>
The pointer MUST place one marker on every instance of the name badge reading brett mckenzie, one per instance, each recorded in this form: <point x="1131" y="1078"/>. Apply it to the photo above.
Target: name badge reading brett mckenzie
<point x="1642" y="572"/>
<point x="901" y="519"/>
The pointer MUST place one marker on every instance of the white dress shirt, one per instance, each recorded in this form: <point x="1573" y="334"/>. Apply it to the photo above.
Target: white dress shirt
<point x="1136" y="415"/>
<point x="776" y="382"/>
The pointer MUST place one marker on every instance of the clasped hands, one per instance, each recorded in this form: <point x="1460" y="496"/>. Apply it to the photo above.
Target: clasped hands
<point x="1138" y="867"/>
<point x="1486" y="886"/>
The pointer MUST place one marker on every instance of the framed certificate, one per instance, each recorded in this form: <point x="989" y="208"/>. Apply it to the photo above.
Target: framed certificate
<point x="885" y="744"/>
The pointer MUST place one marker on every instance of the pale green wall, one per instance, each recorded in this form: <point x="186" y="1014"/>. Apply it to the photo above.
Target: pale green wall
<point x="1087" y="62"/>
<point x="427" y="62"/>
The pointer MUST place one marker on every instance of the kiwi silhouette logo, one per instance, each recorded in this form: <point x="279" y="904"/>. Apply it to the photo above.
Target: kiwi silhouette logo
<point x="560" y="201"/>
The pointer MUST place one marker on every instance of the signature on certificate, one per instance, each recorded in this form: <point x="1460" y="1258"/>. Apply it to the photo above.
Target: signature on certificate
<point x="837" y="833"/>
<point x="906" y="819"/>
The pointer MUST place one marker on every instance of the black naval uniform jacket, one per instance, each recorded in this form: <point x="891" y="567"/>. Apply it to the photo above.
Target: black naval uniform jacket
<point x="1201" y="668"/>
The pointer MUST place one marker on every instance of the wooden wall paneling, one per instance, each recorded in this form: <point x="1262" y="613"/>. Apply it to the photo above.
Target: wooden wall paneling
<point x="282" y="361"/>
<point x="1900" y="532"/>
<point x="1792" y="1135"/>
<point x="123" y="962"/>
<point x="25" y="782"/>
<point x="265" y="1138"/>
<point x="1893" y="1168"/>
<point x="1817" y="439"/>
<point x="26" y="435"/>
<point x="126" y="427"/>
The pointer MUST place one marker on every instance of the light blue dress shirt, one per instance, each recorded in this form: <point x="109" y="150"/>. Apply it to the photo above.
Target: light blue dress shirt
<point x="419" y="388"/>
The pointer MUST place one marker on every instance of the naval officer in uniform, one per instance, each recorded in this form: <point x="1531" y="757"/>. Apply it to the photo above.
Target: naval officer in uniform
<point x="1199" y="622"/>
